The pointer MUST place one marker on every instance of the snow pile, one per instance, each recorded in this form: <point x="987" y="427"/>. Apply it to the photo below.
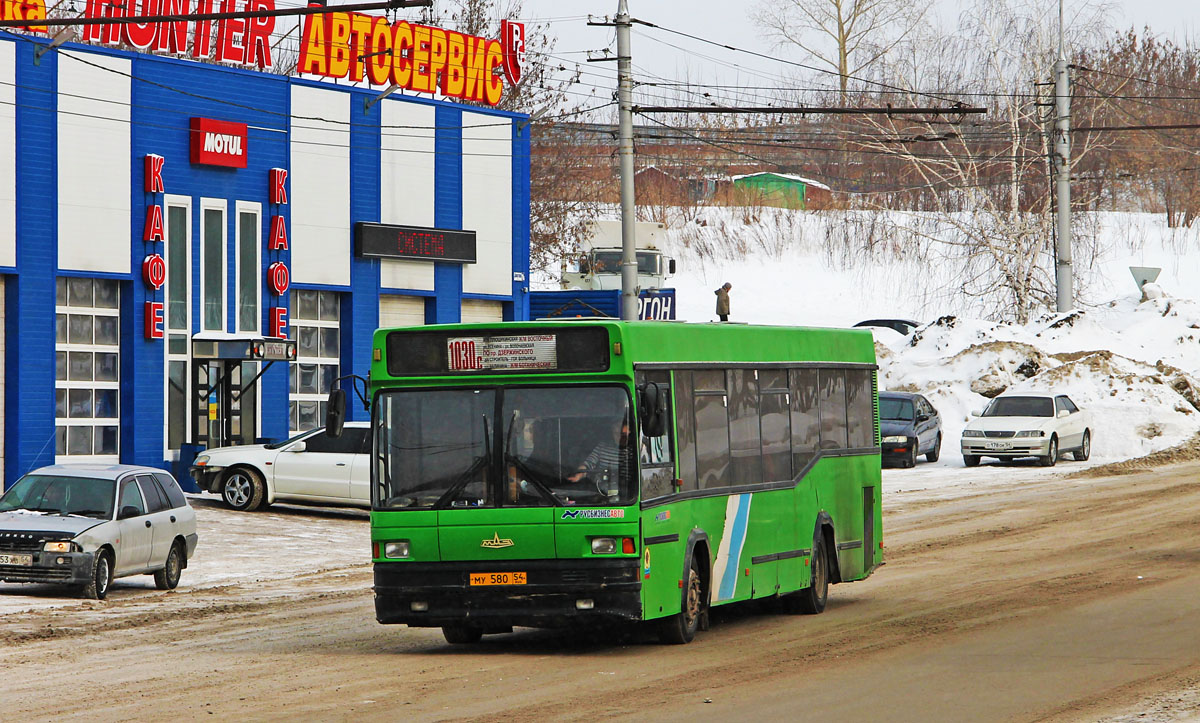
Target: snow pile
<point x="1132" y="362"/>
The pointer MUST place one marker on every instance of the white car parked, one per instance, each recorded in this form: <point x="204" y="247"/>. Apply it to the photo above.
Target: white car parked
<point x="310" y="468"/>
<point x="84" y="524"/>
<point x="1028" y="424"/>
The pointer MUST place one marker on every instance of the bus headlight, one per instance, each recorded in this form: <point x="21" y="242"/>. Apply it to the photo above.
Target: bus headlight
<point x="396" y="550"/>
<point x="604" y="545"/>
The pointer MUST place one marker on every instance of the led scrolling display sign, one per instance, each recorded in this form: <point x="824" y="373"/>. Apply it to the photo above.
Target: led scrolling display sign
<point x="383" y="241"/>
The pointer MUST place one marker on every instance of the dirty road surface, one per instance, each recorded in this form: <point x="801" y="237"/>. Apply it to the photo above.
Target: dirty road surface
<point x="1050" y="598"/>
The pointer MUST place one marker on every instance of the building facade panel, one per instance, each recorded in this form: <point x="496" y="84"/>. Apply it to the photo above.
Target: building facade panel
<point x="320" y="148"/>
<point x="487" y="173"/>
<point x="8" y="154"/>
<point x="94" y="116"/>
<point x="407" y="183"/>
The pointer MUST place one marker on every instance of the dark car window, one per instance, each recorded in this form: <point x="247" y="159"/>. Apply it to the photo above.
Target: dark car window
<point x="351" y="442"/>
<point x="155" y="499"/>
<point x="896" y="409"/>
<point x="1069" y="405"/>
<point x="130" y="497"/>
<point x="1020" y="407"/>
<point x="171" y="487"/>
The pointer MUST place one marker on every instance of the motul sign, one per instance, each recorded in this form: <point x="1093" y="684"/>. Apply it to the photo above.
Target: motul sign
<point x="218" y="143"/>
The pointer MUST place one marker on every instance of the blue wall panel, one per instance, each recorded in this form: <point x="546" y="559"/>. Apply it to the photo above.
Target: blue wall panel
<point x="360" y="308"/>
<point x="519" y="309"/>
<point x="29" y="295"/>
<point x="447" y="213"/>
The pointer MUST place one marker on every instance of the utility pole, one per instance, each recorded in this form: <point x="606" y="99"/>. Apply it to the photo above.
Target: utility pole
<point x="629" y="291"/>
<point x="1062" y="166"/>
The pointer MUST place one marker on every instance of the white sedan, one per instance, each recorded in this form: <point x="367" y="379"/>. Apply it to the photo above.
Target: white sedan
<point x="1028" y="424"/>
<point x="84" y="524"/>
<point x="310" y="468"/>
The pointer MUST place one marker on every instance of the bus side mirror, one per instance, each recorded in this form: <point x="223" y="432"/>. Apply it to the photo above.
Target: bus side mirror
<point x="335" y="413"/>
<point x="652" y="401"/>
<point x="671" y="267"/>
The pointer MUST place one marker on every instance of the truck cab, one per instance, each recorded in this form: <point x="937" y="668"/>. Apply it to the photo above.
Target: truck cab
<point x="600" y="264"/>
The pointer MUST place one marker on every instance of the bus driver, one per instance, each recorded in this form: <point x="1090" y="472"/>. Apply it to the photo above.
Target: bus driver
<point x="610" y="461"/>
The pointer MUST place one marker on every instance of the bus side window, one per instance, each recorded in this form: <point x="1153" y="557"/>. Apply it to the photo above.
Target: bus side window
<point x="776" y="425"/>
<point x="860" y="408"/>
<point x="806" y="422"/>
<point x="832" y="384"/>
<point x="658" y="469"/>
<point x="685" y="418"/>
<point x="711" y="400"/>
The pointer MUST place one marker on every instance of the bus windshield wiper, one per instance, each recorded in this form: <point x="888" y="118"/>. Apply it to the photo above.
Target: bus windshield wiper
<point x="541" y="487"/>
<point x="483" y="461"/>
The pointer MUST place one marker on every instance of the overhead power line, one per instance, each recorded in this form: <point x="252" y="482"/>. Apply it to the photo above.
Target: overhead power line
<point x="805" y="110"/>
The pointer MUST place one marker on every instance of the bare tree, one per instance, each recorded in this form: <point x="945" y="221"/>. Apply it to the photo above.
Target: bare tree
<point x="847" y="35"/>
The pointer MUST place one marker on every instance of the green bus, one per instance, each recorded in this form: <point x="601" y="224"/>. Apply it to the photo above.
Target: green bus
<point x="555" y="473"/>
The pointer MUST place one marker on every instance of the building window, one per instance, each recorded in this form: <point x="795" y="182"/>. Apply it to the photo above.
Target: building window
<point x="315" y="317"/>
<point x="248" y="276"/>
<point x="179" y="318"/>
<point x="87" y="354"/>
<point x="212" y="266"/>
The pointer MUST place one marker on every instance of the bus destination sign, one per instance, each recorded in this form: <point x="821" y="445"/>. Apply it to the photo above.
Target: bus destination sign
<point x="386" y="241"/>
<point x="506" y="353"/>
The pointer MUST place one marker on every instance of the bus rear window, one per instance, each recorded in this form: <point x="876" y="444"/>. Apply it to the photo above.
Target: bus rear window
<point x="489" y="351"/>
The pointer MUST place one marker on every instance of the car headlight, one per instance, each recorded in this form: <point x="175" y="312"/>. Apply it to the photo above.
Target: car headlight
<point x="201" y="460"/>
<point x="59" y="546"/>
<point x="972" y="433"/>
<point x="1031" y="433"/>
<point x="895" y="440"/>
<point x="395" y="550"/>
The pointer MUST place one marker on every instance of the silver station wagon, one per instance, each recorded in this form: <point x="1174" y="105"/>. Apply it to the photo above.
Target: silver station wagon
<point x="83" y="525"/>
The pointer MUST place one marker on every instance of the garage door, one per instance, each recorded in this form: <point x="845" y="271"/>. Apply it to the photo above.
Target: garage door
<point x="477" y="311"/>
<point x="395" y="310"/>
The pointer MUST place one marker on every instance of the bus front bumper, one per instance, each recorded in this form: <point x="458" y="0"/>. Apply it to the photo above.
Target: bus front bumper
<point x="556" y="593"/>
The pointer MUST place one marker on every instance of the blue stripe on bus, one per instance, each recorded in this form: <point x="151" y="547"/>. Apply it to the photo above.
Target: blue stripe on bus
<point x="737" y="540"/>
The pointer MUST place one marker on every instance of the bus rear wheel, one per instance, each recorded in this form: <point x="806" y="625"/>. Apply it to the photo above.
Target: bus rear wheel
<point x="461" y="634"/>
<point x="811" y="600"/>
<point x="680" y="628"/>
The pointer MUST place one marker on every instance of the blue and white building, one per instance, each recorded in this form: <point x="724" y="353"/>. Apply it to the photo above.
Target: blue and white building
<point x="98" y="176"/>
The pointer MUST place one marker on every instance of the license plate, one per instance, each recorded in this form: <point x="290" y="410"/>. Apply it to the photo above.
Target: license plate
<point x="26" y="560"/>
<point x="498" y="578"/>
<point x="999" y="445"/>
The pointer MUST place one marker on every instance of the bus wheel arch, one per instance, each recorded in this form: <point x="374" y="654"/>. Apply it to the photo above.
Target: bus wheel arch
<point x="825" y="530"/>
<point x="681" y="628"/>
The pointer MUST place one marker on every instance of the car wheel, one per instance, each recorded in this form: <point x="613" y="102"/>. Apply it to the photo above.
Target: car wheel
<point x="461" y="634"/>
<point x="1085" y="449"/>
<point x="242" y="489"/>
<point x="910" y="459"/>
<point x="933" y="454"/>
<point x="102" y="575"/>
<point x="681" y="628"/>
<point x="970" y="460"/>
<point x="1052" y="456"/>
<point x="168" y="577"/>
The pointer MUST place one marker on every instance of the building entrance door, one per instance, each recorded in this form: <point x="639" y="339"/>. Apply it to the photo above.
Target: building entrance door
<point x="226" y="402"/>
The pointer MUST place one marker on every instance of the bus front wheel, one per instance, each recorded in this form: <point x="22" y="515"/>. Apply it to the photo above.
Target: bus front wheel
<point x="461" y="634"/>
<point x="681" y="627"/>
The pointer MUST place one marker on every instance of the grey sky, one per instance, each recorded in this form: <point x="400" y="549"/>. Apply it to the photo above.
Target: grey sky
<point x="728" y="22"/>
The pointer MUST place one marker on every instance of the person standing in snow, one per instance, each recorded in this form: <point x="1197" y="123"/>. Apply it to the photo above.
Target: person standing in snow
<point x="723" y="301"/>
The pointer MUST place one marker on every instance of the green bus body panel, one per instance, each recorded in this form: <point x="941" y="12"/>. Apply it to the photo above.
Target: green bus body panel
<point x="759" y="543"/>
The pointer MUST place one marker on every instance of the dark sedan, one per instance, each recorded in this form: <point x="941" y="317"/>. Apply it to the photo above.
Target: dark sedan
<point x="909" y="426"/>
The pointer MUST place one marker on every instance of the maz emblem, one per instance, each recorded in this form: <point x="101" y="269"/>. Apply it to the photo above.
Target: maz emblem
<point x="496" y="542"/>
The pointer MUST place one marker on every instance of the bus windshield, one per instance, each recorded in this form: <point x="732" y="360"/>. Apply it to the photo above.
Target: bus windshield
<point x="503" y="447"/>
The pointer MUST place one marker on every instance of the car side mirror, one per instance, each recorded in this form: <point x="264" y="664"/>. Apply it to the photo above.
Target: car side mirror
<point x="128" y="511"/>
<point x="922" y="417"/>
<point x="671" y="267"/>
<point x="297" y="447"/>
<point x="1063" y="413"/>
<point x="335" y="414"/>
<point x="977" y="413"/>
